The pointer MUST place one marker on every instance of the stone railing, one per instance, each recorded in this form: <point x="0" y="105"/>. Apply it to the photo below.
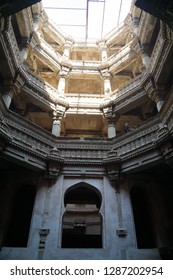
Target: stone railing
<point x="49" y="50"/>
<point x="84" y="100"/>
<point x="45" y="56"/>
<point x="35" y="144"/>
<point x="40" y="89"/>
<point x="11" y="49"/>
<point x="130" y="93"/>
<point x="158" y="53"/>
<point x="85" y="64"/>
<point x="139" y="141"/>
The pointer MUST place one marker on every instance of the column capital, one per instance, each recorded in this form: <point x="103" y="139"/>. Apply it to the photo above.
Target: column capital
<point x="64" y="72"/>
<point x="110" y="115"/>
<point x="135" y="22"/>
<point x="68" y="43"/>
<point x="156" y="92"/>
<point x="106" y="74"/>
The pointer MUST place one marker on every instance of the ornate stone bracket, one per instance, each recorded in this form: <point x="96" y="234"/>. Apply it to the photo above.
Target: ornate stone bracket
<point x="122" y="232"/>
<point x="165" y="144"/>
<point x="111" y="120"/>
<point x="43" y="236"/>
<point x="5" y="135"/>
<point x="113" y="167"/>
<point x="54" y="163"/>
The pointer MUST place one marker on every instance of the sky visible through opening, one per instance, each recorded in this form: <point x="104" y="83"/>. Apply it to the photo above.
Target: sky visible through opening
<point x="87" y="19"/>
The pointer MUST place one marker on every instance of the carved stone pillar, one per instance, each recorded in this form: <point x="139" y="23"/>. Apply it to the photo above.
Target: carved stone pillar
<point x="135" y="25"/>
<point x="145" y="56"/>
<point x="62" y="80"/>
<point x="7" y="97"/>
<point x="103" y="49"/>
<point x="36" y="21"/>
<point x="156" y="93"/>
<point x="67" y="48"/>
<point x="111" y="127"/>
<point x="54" y="163"/>
<point x="61" y="85"/>
<point x="24" y="48"/>
<point x="112" y="164"/>
<point x="107" y="82"/>
<point x="56" y="126"/>
<point x="111" y="118"/>
<point x="57" y="116"/>
<point x="7" y="93"/>
<point x="23" y="53"/>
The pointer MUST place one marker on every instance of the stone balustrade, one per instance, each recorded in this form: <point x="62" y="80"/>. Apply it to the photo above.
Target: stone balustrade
<point x="33" y="142"/>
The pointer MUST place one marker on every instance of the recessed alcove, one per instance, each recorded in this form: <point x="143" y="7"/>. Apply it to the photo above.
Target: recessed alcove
<point x="142" y="219"/>
<point x="20" y="219"/>
<point x="82" y="221"/>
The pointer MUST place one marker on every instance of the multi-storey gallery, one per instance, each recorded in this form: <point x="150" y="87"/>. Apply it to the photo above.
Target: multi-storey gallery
<point x="86" y="138"/>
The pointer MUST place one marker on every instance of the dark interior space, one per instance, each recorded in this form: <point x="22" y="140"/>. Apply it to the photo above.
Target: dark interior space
<point x="78" y="225"/>
<point x="19" y="223"/>
<point x="76" y="238"/>
<point x="142" y="219"/>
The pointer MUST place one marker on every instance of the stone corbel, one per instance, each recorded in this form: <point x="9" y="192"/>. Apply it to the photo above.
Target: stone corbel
<point x="5" y="135"/>
<point x="156" y="93"/>
<point x="12" y="88"/>
<point x="67" y="47"/>
<point x="167" y="152"/>
<point x="165" y="144"/>
<point x="7" y="91"/>
<point x="54" y="163"/>
<point x="25" y="41"/>
<point x="43" y="232"/>
<point x="145" y="55"/>
<point x="111" y="118"/>
<point x="122" y="232"/>
<point x="112" y="164"/>
<point x="103" y="49"/>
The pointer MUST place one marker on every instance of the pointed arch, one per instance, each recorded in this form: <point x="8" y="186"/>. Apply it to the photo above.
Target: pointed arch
<point x="82" y="221"/>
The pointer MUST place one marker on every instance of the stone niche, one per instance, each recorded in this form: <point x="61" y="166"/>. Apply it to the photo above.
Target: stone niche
<point x="82" y="222"/>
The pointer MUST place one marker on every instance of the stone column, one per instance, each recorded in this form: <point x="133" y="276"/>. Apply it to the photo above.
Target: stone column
<point x="56" y="126"/>
<point x="156" y="93"/>
<point x="135" y="25"/>
<point x="24" y="48"/>
<point x="61" y="85"/>
<point x="103" y="49"/>
<point x="67" y="48"/>
<point x="145" y="56"/>
<point x="7" y="93"/>
<point x="36" y="21"/>
<point x="159" y="103"/>
<point x="107" y="82"/>
<point x="7" y="97"/>
<point x="23" y="53"/>
<point x="62" y="80"/>
<point x="111" y="127"/>
<point x="107" y="86"/>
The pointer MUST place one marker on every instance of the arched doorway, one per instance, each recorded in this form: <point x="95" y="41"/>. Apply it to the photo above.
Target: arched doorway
<point x="19" y="223"/>
<point x="142" y="219"/>
<point x="82" y="221"/>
